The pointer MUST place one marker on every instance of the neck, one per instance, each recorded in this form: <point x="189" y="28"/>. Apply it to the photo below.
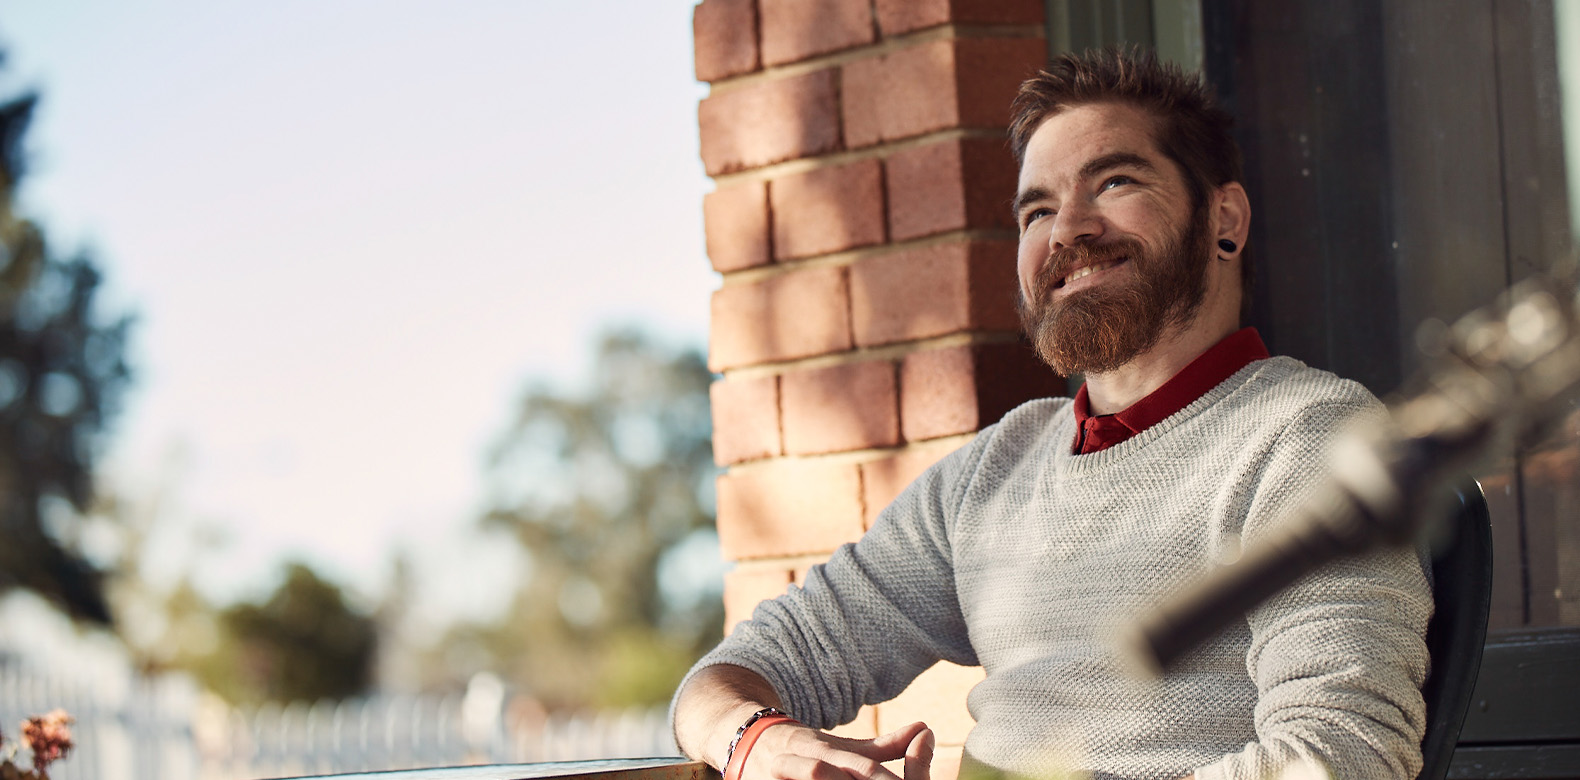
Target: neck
<point x="1116" y="390"/>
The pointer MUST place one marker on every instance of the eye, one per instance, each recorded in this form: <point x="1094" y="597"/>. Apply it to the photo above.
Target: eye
<point x="1115" y="181"/>
<point x="1034" y="215"/>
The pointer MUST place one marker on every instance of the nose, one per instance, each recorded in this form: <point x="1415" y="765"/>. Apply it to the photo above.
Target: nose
<point x="1076" y="223"/>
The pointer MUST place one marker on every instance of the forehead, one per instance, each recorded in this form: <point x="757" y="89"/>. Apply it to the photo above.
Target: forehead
<point x="1071" y="138"/>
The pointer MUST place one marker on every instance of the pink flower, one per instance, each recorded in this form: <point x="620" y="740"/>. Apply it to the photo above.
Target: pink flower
<point x="48" y="736"/>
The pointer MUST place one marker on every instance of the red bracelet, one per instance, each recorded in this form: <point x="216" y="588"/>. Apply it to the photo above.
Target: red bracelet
<point x="737" y="760"/>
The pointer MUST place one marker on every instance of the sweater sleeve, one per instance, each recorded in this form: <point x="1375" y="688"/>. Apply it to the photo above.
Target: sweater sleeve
<point x="867" y="622"/>
<point x="1338" y="659"/>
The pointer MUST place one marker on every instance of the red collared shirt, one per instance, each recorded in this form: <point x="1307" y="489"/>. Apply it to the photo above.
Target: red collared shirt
<point x="1234" y="352"/>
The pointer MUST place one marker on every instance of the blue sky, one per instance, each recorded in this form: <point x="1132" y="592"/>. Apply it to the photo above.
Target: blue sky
<point x="351" y="230"/>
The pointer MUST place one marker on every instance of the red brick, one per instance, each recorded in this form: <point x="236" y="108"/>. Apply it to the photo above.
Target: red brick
<point x="737" y="226"/>
<point x="745" y="419"/>
<point x="938" y="698"/>
<point x="883" y="480"/>
<point x="725" y="32"/>
<point x="989" y="72"/>
<point x="827" y="210"/>
<point x="937" y="85"/>
<point x="847" y="407"/>
<point x="964" y="389"/>
<point x="794" y="315"/>
<point x="950" y="185"/>
<point x="799" y="573"/>
<point x="896" y="17"/>
<point x="788" y="508"/>
<point x="797" y="29"/>
<point x="769" y="122"/>
<point x="744" y="590"/>
<point x="935" y="290"/>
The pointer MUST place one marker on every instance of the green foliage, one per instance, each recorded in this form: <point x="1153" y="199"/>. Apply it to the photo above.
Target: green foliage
<point x="62" y="373"/>
<point x="598" y="488"/>
<point x="303" y="644"/>
<point x="641" y="668"/>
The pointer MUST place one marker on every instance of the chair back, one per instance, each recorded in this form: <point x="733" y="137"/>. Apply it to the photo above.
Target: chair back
<point x="1462" y="590"/>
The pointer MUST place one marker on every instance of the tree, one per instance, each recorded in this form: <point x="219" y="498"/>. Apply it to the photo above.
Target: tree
<point x="302" y="644"/>
<point x="62" y="373"/>
<point x="602" y="490"/>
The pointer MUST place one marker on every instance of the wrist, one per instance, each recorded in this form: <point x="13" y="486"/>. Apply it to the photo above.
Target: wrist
<point x="745" y="738"/>
<point x="726" y="728"/>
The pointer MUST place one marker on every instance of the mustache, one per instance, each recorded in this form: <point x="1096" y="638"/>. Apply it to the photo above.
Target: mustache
<point x="1062" y="262"/>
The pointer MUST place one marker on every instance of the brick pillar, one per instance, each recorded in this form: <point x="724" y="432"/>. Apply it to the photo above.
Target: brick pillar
<point x="865" y="326"/>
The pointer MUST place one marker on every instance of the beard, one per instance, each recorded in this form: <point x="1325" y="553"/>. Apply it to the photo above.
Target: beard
<point x="1098" y="330"/>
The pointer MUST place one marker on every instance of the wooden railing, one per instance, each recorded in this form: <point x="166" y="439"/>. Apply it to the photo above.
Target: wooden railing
<point x="615" y="769"/>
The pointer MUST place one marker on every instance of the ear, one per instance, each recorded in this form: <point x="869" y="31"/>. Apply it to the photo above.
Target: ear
<point x="1231" y="217"/>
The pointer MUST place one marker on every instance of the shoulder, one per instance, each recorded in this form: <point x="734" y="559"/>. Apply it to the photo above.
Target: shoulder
<point x="1285" y="392"/>
<point x="1022" y="434"/>
<point x="1029" y="419"/>
<point x="1278" y="420"/>
<point x="1293" y="417"/>
<point x="1029" y="431"/>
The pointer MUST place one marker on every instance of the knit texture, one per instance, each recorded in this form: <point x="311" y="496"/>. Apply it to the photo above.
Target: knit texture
<point x="1016" y="555"/>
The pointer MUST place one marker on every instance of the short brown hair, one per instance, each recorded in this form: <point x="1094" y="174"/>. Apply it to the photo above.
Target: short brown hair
<point x="1191" y="129"/>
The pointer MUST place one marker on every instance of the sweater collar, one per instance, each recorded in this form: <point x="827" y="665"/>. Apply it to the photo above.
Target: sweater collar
<point x="1094" y="433"/>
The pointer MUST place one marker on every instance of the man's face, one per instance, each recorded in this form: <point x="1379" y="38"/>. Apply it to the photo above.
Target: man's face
<point x="1111" y="253"/>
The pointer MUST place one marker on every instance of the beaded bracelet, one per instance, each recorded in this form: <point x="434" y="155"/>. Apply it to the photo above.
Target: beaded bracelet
<point x="747" y="735"/>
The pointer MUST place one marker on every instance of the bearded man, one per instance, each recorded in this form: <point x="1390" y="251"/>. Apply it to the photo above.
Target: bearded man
<point x="1029" y="549"/>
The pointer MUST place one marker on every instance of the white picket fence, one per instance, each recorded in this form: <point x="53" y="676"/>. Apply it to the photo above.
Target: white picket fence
<point x="127" y="727"/>
<point x="166" y="729"/>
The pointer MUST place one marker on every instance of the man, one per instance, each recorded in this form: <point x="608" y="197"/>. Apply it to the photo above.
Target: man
<point x="1028" y="550"/>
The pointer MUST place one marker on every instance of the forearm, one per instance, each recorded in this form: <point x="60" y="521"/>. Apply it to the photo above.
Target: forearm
<point x="714" y="703"/>
<point x="1338" y="661"/>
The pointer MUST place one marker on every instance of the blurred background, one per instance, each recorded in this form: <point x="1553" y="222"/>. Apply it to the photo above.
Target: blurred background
<point x="353" y="407"/>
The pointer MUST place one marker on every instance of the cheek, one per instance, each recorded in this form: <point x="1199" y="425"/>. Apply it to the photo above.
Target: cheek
<point x="1151" y="221"/>
<point x="1030" y="256"/>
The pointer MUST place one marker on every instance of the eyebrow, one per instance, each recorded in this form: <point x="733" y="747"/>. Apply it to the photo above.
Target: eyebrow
<point x="1117" y="160"/>
<point x="1026" y="197"/>
<point x="1091" y="169"/>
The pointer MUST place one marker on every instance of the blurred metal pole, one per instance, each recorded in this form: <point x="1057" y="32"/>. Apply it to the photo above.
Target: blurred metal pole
<point x="1501" y="371"/>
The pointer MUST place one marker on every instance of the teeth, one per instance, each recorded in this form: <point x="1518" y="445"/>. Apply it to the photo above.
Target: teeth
<point x="1089" y="270"/>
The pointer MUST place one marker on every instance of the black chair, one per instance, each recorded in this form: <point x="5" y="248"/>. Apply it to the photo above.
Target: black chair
<point x="1462" y="589"/>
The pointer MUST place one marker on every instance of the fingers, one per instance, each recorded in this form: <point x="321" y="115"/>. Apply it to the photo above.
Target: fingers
<point x="834" y="765"/>
<point x="794" y="752"/>
<point x="892" y="745"/>
<point x="919" y="756"/>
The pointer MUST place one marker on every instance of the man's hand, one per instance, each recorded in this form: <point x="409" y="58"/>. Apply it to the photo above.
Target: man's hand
<point x="720" y="698"/>
<point x="790" y="751"/>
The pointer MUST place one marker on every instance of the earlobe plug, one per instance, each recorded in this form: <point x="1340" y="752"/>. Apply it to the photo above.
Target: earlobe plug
<point x="1226" y="245"/>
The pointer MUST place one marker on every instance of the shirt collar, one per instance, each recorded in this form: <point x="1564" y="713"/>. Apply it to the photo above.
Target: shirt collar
<point x="1208" y="370"/>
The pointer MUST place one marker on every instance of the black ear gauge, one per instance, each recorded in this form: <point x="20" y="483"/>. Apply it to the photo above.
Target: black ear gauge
<point x="1226" y="245"/>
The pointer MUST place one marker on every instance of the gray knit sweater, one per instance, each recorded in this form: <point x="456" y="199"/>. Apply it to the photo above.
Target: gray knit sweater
<point x="1014" y="554"/>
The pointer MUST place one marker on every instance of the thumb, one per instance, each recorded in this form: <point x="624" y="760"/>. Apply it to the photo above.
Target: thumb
<point x="919" y="756"/>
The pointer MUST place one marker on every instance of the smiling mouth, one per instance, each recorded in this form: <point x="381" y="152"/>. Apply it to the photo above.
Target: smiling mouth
<point x="1088" y="270"/>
